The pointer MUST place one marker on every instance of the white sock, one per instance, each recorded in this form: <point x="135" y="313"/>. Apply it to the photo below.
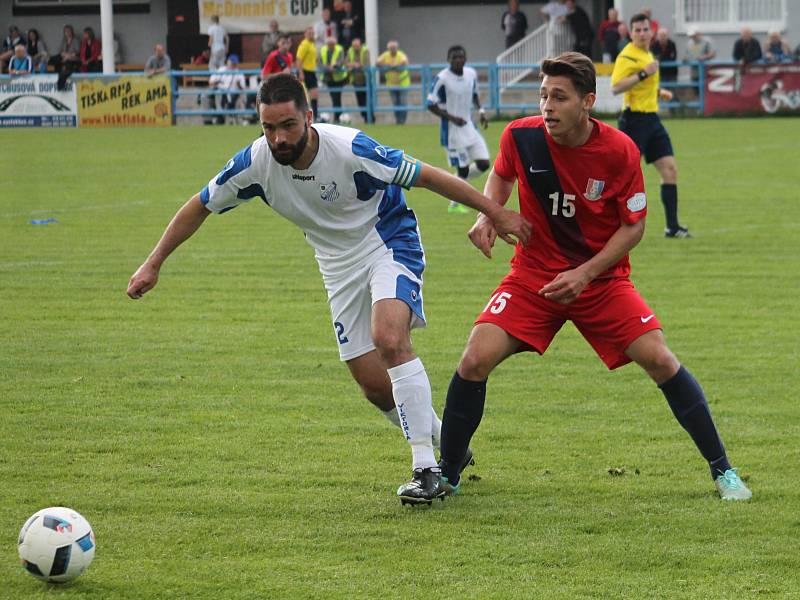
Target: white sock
<point x="436" y="430"/>
<point x="412" y="396"/>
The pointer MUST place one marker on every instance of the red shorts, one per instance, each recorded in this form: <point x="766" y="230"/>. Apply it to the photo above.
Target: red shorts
<point x="609" y="313"/>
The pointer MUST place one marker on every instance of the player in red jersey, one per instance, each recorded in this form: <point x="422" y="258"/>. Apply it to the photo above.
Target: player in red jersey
<point x="580" y="185"/>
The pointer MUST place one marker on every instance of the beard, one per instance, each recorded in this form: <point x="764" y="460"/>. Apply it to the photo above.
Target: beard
<point x="287" y="154"/>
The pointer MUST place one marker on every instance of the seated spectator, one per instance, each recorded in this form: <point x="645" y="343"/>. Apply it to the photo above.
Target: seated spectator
<point x="280" y="60"/>
<point x="21" y="63"/>
<point x="514" y="23"/>
<point x="202" y="58"/>
<point x="37" y="51"/>
<point x="228" y="79"/>
<point x="608" y="35"/>
<point x="746" y="50"/>
<point x="664" y="50"/>
<point x="91" y="53"/>
<point x="624" y="37"/>
<point x="158" y="62"/>
<point x="776" y="49"/>
<point x="13" y="40"/>
<point x="68" y="58"/>
<point x="270" y="41"/>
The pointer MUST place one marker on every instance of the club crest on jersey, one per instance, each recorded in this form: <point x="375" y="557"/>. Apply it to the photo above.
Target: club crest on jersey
<point x="594" y="189"/>
<point x="328" y="191"/>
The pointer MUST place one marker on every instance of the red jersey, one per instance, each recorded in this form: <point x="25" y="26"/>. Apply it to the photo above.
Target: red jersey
<point x="276" y="63"/>
<point x="576" y="198"/>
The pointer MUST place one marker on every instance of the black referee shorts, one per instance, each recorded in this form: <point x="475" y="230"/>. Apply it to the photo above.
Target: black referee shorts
<point x="647" y="132"/>
<point x="310" y="79"/>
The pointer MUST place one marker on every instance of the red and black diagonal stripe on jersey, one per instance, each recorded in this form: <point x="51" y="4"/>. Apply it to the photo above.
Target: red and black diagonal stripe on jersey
<point x="535" y="155"/>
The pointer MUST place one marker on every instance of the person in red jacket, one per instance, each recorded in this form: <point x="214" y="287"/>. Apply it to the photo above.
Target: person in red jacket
<point x="91" y="51"/>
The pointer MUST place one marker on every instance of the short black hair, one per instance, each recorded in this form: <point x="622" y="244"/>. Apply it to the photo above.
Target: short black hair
<point x="283" y="87"/>
<point x="575" y="66"/>
<point x="455" y="48"/>
<point x="639" y="17"/>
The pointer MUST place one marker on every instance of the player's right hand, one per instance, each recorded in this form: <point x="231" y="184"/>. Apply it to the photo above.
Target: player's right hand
<point x="483" y="234"/>
<point x="142" y="281"/>
<point x="651" y="68"/>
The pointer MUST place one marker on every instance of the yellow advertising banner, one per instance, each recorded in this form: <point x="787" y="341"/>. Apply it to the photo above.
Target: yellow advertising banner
<point x="125" y="101"/>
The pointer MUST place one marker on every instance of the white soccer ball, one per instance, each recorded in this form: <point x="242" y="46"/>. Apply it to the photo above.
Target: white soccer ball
<point x="345" y="119"/>
<point x="56" y="544"/>
<point x="326" y="117"/>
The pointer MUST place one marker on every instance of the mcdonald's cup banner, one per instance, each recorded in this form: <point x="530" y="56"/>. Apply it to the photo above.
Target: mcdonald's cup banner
<point x="253" y="16"/>
<point x="125" y="101"/>
<point x="34" y="101"/>
<point x="753" y="89"/>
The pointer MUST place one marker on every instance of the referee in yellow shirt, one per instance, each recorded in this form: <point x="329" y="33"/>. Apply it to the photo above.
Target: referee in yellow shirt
<point x="636" y="74"/>
<point x="307" y="57"/>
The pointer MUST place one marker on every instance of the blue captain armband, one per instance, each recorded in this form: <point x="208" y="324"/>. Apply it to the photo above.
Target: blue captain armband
<point x="407" y="172"/>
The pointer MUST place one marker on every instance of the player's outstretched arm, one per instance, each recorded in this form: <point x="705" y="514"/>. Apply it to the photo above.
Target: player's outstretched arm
<point x="185" y="222"/>
<point x="506" y="222"/>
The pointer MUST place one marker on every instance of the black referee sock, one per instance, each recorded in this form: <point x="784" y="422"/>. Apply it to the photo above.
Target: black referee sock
<point x="669" y="198"/>
<point x="462" y="414"/>
<point x="688" y="404"/>
<point x="314" y="109"/>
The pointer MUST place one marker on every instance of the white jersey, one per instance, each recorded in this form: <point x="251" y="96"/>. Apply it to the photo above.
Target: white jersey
<point x="216" y="34"/>
<point x="348" y="202"/>
<point x="454" y="93"/>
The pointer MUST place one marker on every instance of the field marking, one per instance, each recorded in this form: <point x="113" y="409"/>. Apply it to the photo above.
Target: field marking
<point x="75" y="209"/>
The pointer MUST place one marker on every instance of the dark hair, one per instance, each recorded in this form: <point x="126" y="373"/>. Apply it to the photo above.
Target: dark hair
<point x="283" y="87"/>
<point x="577" y="67"/>
<point x="35" y="32"/>
<point x="639" y="17"/>
<point x="90" y="31"/>
<point x="456" y="48"/>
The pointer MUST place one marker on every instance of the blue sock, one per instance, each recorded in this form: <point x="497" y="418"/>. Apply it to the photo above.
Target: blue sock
<point x="669" y="198"/>
<point x="688" y="404"/>
<point x="462" y="414"/>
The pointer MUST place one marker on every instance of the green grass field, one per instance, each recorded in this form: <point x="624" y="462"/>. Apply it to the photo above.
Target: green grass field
<point x="220" y="450"/>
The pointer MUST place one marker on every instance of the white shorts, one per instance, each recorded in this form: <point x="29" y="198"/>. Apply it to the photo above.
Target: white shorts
<point x="462" y="157"/>
<point x="351" y="296"/>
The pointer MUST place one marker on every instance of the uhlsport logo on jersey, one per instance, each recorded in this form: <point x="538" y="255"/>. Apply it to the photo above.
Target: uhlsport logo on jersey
<point x="328" y="191"/>
<point x="594" y="189"/>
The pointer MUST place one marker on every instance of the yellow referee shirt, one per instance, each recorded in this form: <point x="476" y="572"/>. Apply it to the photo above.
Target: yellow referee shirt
<point x="642" y="97"/>
<point x="307" y="55"/>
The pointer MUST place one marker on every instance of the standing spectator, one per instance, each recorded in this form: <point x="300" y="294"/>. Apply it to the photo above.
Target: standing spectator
<point x="158" y="62"/>
<point x="357" y="61"/>
<point x="349" y="23"/>
<point x="581" y="28"/>
<point x="559" y="34"/>
<point x="218" y="42"/>
<point x="653" y="23"/>
<point x="776" y="49"/>
<point x="664" y="50"/>
<point x="117" y="49"/>
<point x="608" y="35"/>
<point x="698" y="49"/>
<point x="21" y="63"/>
<point x="746" y="50"/>
<point x="393" y="63"/>
<point x="228" y="79"/>
<point x="331" y="58"/>
<point x="10" y="43"/>
<point x="624" y="37"/>
<point x="37" y="51"/>
<point x="91" y="53"/>
<point x="325" y="28"/>
<point x="270" y="41"/>
<point x="68" y="58"/>
<point x="514" y="23"/>
<point x="280" y="60"/>
<point x="307" y="60"/>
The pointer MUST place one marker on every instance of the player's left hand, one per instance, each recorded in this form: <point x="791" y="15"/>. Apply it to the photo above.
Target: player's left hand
<point x="565" y="287"/>
<point x="665" y="95"/>
<point x="484" y="120"/>
<point x="483" y="234"/>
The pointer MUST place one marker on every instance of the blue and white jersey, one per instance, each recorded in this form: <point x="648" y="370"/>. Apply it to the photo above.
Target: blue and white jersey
<point x="348" y="202"/>
<point x="454" y="93"/>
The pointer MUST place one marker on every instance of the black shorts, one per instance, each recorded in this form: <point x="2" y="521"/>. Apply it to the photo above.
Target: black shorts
<point x="647" y="132"/>
<point x="310" y="79"/>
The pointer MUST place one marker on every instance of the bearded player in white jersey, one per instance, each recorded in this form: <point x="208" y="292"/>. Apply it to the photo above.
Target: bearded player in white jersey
<point x="453" y="92"/>
<point x="343" y="189"/>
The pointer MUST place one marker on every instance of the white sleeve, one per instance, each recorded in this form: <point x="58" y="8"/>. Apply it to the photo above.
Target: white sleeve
<point x="236" y="183"/>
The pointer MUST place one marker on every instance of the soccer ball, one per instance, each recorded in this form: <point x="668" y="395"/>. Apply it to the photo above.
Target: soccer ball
<point x="345" y="119"/>
<point x="326" y="117"/>
<point x="56" y="544"/>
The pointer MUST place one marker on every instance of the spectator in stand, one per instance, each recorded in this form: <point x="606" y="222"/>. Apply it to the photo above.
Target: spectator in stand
<point x="776" y="49"/>
<point x="37" y="51"/>
<point x="270" y="41"/>
<point x="698" y="49"/>
<point x="280" y="60"/>
<point x="228" y="79"/>
<point x="325" y="28"/>
<point x="608" y="35"/>
<point x="797" y="53"/>
<point x="158" y="62"/>
<point x="10" y="43"/>
<point x="624" y="37"/>
<point x="21" y="63"/>
<point x="91" y="53"/>
<point x="357" y="60"/>
<point x="514" y="23"/>
<point x="218" y="43"/>
<point x="307" y="62"/>
<point x="350" y="24"/>
<point x="68" y="58"/>
<point x="560" y="38"/>
<point x="581" y="28"/>
<point x="202" y="58"/>
<point x="117" y="49"/>
<point x="746" y="50"/>
<point x="393" y="64"/>
<point x="664" y="50"/>
<point x="331" y="59"/>
<point x="653" y="23"/>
